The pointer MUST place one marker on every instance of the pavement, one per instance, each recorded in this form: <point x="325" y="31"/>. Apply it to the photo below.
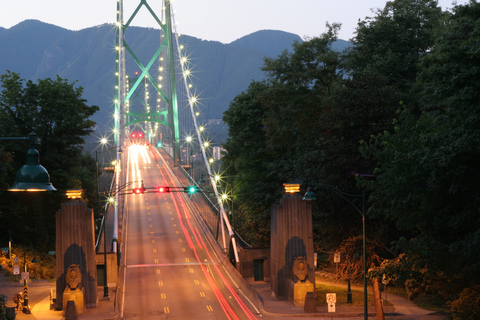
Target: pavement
<point x="39" y="302"/>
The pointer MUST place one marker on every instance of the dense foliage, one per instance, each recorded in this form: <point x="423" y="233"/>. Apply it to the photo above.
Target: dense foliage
<point x="401" y="126"/>
<point x="56" y="112"/>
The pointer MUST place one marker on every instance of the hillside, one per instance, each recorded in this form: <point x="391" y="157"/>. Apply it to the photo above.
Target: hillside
<point x="37" y="50"/>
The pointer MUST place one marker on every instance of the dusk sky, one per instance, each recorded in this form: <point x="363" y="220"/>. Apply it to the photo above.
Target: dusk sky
<point x="220" y="20"/>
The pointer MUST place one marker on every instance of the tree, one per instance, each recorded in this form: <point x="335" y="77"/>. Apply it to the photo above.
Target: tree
<point x="428" y="168"/>
<point x="271" y="122"/>
<point x="391" y="43"/>
<point x="56" y="112"/>
<point x="247" y="159"/>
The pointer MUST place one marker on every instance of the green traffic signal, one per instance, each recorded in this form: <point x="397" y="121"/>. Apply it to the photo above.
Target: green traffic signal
<point x="190" y="189"/>
<point x="159" y="145"/>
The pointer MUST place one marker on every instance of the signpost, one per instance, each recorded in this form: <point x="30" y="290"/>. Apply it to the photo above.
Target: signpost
<point x="16" y="267"/>
<point x="336" y="260"/>
<point x="331" y="300"/>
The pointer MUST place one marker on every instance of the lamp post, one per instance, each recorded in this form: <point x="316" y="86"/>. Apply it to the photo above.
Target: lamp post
<point x="32" y="177"/>
<point x="105" y="283"/>
<point x="310" y="196"/>
<point x="9" y="249"/>
<point x="26" y="308"/>
<point x="101" y="154"/>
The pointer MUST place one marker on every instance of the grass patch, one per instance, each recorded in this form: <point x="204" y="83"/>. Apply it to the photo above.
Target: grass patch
<point x="433" y="301"/>
<point x="357" y="296"/>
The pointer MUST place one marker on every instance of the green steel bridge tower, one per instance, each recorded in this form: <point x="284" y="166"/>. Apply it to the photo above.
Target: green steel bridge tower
<point x="128" y="87"/>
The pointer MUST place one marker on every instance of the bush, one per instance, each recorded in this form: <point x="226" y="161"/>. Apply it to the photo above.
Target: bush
<point x="467" y="305"/>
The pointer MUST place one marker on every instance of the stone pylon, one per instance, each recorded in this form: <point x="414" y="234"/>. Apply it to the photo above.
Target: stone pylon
<point x="291" y="237"/>
<point x="75" y="245"/>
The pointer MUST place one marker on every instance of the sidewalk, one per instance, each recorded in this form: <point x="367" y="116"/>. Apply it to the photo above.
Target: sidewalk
<point x="401" y="309"/>
<point x="39" y="301"/>
<point x="39" y="294"/>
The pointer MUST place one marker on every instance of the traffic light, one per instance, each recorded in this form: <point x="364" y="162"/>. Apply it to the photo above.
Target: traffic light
<point x="139" y="190"/>
<point x="190" y="189"/>
<point x="163" y="189"/>
<point x="132" y="135"/>
<point x="159" y="145"/>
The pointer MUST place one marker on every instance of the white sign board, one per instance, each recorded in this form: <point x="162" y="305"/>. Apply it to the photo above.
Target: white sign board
<point x="331" y="307"/>
<point x="16" y="269"/>
<point x="336" y="257"/>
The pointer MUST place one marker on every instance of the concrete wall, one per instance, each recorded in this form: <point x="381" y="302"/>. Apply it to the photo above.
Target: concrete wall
<point x="75" y="244"/>
<point x="112" y="267"/>
<point x="247" y="255"/>
<point x="291" y="237"/>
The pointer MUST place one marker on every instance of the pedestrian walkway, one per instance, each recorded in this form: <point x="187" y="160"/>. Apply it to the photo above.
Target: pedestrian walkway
<point x="401" y="308"/>
<point x="39" y="301"/>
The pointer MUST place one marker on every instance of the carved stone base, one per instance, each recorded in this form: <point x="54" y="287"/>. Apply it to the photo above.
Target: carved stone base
<point x="296" y="291"/>
<point x="77" y="296"/>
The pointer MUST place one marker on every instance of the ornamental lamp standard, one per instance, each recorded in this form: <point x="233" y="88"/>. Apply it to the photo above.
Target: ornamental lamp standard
<point x="310" y="196"/>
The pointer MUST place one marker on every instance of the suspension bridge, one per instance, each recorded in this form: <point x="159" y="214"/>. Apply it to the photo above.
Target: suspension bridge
<point x="166" y="173"/>
<point x="155" y="96"/>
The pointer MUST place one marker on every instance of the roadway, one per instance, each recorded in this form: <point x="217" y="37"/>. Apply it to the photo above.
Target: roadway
<point x="171" y="271"/>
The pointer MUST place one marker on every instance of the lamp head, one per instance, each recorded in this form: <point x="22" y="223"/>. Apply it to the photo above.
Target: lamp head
<point x="32" y="176"/>
<point x="309" y="195"/>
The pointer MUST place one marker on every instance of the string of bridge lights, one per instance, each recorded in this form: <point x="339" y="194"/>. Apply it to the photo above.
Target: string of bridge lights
<point x="193" y="100"/>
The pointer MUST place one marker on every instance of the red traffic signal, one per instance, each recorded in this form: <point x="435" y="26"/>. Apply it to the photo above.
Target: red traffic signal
<point x="163" y="189"/>
<point x="138" y="190"/>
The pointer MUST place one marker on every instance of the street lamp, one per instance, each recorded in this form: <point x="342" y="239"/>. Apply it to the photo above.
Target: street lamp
<point x="32" y="176"/>
<point x="102" y="154"/>
<point x="105" y="283"/>
<point x="310" y="196"/>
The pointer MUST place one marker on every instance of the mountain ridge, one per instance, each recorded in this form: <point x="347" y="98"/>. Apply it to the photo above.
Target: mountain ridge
<point x="38" y="50"/>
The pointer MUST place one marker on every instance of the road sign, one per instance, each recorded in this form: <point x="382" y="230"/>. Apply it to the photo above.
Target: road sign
<point x="331" y="297"/>
<point x="331" y="307"/>
<point x="25" y="275"/>
<point x="5" y="250"/>
<point x="331" y="300"/>
<point x="15" y="260"/>
<point x="16" y="269"/>
<point x="336" y="257"/>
